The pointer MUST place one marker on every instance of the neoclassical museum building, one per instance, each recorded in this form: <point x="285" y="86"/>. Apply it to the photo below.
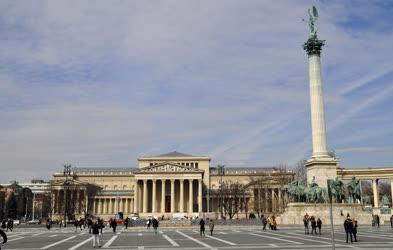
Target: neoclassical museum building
<point x="173" y="184"/>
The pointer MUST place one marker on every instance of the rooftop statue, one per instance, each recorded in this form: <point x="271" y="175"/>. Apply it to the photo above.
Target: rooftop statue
<point x="385" y="201"/>
<point x="313" y="16"/>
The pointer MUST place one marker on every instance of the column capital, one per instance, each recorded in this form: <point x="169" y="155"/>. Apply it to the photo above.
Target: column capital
<point x="154" y="180"/>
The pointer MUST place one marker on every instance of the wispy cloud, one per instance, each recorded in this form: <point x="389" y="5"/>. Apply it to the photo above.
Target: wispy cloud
<point x="99" y="85"/>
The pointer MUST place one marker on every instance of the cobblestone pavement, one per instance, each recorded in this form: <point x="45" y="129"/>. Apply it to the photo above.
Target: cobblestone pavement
<point x="188" y="238"/>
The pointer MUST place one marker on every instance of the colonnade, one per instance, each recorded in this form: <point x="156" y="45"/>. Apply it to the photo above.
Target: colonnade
<point x="376" y="191"/>
<point x="113" y="205"/>
<point x="168" y="195"/>
<point x="74" y="196"/>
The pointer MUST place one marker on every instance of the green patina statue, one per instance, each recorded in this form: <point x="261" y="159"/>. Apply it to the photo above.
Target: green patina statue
<point x="354" y="193"/>
<point x="313" y="16"/>
<point x="337" y="189"/>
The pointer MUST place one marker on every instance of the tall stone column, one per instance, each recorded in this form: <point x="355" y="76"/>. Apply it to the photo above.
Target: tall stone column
<point x="279" y="200"/>
<point x="191" y="198"/>
<point x="144" y="196"/>
<point x="181" y="196"/>
<point x="105" y="209"/>
<point x="77" y="202"/>
<point x="273" y="202"/>
<point x="375" y="193"/>
<point x="321" y="166"/>
<point x="266" y="198"/>
<point x="154" y="194"/>
<point x="200" y="196"/>
<point x="136" y="189"/>
<point x="110" y="210"/>
<point x="172" y="196"/>
<point x="163" y="196"/>
<point x="127" y="209"/>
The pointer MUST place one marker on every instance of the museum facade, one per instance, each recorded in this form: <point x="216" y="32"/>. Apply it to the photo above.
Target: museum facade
<point x="173" y="184"/>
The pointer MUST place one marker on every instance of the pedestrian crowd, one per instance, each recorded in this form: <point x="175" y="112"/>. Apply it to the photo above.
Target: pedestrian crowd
<point x="315" y="224"/>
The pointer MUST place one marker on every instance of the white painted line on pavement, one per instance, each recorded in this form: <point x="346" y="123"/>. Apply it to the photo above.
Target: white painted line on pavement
<point x="37" y="234"/>
<point x="276" y="238"/>
<point x="236" y="231"/>
<point x="110" y="241"/>
<point x="19" y="238"/>
<point x="225" y="241"/>
<point x="222" y="233"/>
<point x="141" y="247"/>
<point x="58" y="242"/>
<point x="50" y="236"/>
<point x="194" y="240"/>
<point x="305" y="238"/>
<point x="81" y="244"/>
<point x="140" y="234"/>
<point x="170" y="240"/>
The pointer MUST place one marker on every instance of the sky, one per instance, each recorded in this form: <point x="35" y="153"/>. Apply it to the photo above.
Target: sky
<point x="100" y="83"/>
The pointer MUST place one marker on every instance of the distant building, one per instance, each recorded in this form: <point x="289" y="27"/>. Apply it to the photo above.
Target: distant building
<point x="169" y="184"/>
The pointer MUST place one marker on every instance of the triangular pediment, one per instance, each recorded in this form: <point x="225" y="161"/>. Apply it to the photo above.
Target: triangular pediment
<point x="168" y="167"/>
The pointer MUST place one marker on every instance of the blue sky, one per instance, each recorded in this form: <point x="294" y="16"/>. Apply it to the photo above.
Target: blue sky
<point x="99" y="83"/>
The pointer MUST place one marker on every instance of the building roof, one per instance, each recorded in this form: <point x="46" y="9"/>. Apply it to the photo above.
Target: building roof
<point x="248" y="170"/>
<point x="174" y="154"/>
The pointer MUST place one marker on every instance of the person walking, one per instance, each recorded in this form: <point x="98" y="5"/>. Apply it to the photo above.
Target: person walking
<point x="355" y="229"/>
<point x="202" y="227"/>
<point x="264" y="222"/>
<point x="313" y="225"/>
<point x="114" y="225"/>
<point x="274" y="222"/>
<point x="48" y="223"/>
<point x="89" y="224"/>
<point x="148" y="223"/>
<point x="96" y="234"/>
<point x="100" y="223"/>
<point x="76" y="225"/>
<point x="306" y="220"/>
<point x="4" y="224"/>
<point x="319" y="225"/>
<point x="4" y="238"/>
<point x="155" y="225"/>
<point x="10" y="225"/>
<point x="377" y="216"/>
<point x="211" y="227"/>
<point x="126" y="221"/>
<point x="348" y="226"/>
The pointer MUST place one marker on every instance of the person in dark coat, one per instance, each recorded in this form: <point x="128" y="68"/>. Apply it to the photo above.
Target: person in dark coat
<point x="313" y="225"/>
<point x="264" y="222"/>
<point x="114" y="225"/>
<point x="48" y="223"/>
<point x="377" y="220"/>
<point x="4" y="224"/>
<point x="4" y="238"/>
<point x="155" y="225"/>
<point x="89" y="225"/>
<point x="355" y="229"/>
<point x="100" y="223"/>
<point x="319" y="225"/>
<point x="126" y="221"/>
<point x="391" y="221"/>
<point x="10" y="225"/>
<point x="96" y="237"/>
<point x="76" y="225"/>
<point x="348" y="226"/>
<point x="202" y="227"/>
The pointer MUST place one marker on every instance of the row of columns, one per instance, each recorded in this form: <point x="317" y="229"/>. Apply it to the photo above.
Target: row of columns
<point x="144" y="199"/>
<point x="76" y="197"/>
<point x="113" y="205"/>
<point x="376" y="192"/>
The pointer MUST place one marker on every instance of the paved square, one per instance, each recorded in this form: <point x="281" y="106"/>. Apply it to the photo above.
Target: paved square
<point x="189" y="238"/>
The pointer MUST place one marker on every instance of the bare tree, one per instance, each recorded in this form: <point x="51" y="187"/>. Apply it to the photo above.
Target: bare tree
<point x="300" y="172"/>
<point x="231" y="196"/>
